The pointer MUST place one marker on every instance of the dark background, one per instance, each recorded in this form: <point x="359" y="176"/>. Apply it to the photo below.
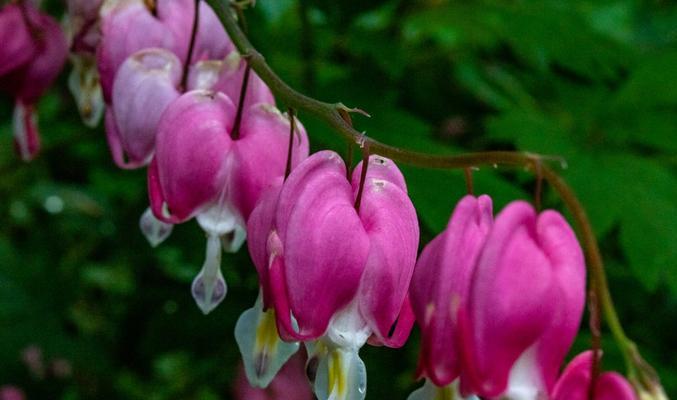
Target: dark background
<point x="593" y="81"/>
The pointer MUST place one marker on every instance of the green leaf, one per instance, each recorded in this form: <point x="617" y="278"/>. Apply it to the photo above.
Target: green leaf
<point x="647" y="194"/>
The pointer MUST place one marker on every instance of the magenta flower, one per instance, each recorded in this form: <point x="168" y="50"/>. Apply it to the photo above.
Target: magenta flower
<point x="440" y="286"/>
<point x="28" y="81"/>
<point x="199" y="170"/>
<point x="342" y="273"/>
<point x="524" y="306"/>
<point x="574" y="384"/>
<point x="146" y="83"/>
<point x="328" y="246"/>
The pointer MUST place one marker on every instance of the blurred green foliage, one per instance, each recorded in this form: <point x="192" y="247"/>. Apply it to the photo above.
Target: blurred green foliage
<point x="592" y="81"/>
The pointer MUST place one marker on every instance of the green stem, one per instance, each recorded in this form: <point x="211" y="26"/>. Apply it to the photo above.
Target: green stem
<point x="332" y="115"/>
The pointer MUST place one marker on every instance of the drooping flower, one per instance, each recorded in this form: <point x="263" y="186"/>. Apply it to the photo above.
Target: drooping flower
<point x="336" y="274"/>
<point x="146" y="83"/>
<point x="524" y="306"/>
<point x="28" y="81"/>
<point x="574" y="384"/>
<point x="440" y="286"/>
<point x="200" y="171"/>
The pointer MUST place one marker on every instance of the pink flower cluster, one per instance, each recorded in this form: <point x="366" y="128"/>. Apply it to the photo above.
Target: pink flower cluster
<point x="172" y="84"/>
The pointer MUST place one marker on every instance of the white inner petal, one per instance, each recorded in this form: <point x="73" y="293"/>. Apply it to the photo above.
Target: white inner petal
<point x="525" y="381"/>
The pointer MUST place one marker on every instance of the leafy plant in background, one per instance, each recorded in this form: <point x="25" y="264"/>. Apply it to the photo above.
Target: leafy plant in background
<point x="516" y="83"/>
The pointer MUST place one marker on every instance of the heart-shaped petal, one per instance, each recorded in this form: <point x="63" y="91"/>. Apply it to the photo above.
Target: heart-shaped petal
<point x="192" y="148"/>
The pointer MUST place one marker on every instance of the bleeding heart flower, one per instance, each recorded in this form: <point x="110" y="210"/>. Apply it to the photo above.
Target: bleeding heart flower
<point x="440" y="286"/>
<point x="28" y="81"/>
<point x="525" y="305"/>
<point x="200" y="171"/>
<point x="337" y="274"/>
<point x="574" y="384"/>
<point x="146" y="83"/>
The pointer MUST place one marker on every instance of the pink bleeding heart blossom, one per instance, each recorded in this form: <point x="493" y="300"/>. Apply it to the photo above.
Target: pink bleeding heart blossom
<point x="128" y="26"/>
<point x="28" y="81"/>
<point x="337" y="275"/>
<point x="325" y="255"/>
<point x="525" y="305"/>
<point x="290" y="383"/>
<point x="440" y="286"/>
<point x="146" y="83"/>
<point x="199" y="165"/>
<point x="574" y="384"/>
<point x="200" y="170"/>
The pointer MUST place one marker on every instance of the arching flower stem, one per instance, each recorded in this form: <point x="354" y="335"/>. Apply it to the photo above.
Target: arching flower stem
<point x="640" y="373"/>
